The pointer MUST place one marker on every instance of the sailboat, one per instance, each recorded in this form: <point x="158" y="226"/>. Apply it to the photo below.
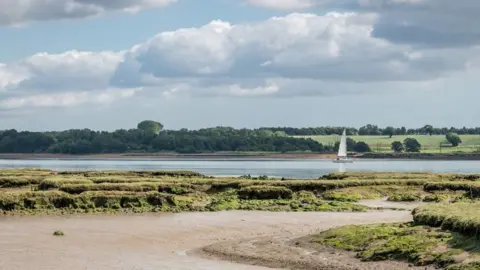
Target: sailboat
<point x="342" y="150"/>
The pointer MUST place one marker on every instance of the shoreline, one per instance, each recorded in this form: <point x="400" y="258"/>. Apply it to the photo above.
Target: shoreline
<point x="245" y="155"/>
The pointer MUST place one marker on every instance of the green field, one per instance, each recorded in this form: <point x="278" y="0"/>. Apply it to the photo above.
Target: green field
<point x="430" y="144"/>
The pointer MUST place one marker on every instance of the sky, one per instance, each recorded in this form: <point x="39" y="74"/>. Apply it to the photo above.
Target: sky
<point x="107" y="65"/>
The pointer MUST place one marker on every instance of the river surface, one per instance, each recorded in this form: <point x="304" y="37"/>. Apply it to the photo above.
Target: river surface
<point x="289" y="168"/>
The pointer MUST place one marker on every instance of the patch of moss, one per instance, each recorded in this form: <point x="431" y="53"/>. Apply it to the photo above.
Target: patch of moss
<point x="405" y="197"/>
<point x="436" y="198"/>
<point x="419" y="245"/>
<point x="58" y="233"/>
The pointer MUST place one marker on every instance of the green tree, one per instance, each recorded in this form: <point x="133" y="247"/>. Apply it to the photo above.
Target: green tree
<point x="361" y="147"/>
<point x="150" y="126"/>
<point x="397" y="147"/>
<point x="350" y="145"/>
<point x="412" y="145"/>
<point x="390" y="131"/>
<point x="428" y="129"/>
<point x="453" y="138"/>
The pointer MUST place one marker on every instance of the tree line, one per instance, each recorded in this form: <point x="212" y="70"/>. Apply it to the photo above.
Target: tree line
<point x="149" y="136"/>
<point x="374" y="130"/>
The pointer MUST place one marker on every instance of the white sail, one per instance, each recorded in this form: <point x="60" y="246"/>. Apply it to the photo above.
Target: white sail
<point x="342" y="149"/>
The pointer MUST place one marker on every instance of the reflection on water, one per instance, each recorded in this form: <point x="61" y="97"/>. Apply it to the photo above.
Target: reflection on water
<point x="288" y="168"/>
<point x="341" y="167"/>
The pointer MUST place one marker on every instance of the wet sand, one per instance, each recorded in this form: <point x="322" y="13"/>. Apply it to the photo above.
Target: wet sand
<point x="384" y="203"/>
<point x="164" y="241"/>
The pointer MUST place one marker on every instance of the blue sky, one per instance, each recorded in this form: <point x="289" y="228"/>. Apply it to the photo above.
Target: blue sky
<point x="242" y="63"/>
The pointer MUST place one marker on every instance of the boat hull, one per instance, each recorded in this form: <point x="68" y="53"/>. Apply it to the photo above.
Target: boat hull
<point x="342" y="161"/>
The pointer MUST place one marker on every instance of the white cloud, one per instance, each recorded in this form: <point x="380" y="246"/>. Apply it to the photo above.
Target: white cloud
<point x="72" y="70"/>
<point x="295" y="55"/>
<point x="283" y="4"/>
<point x="336" y="46"/>
<point x="427" y="23"/>
<point x="21" y="11"/>
<point x="67" y="99"/>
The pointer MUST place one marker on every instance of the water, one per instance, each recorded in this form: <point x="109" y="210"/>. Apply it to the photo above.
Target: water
<point x="289" y="168"/>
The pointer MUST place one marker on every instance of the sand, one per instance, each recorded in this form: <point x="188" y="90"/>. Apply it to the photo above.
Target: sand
<point x="165" y="241"/>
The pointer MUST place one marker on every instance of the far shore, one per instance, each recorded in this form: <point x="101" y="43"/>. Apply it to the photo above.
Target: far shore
<point x="245" y="155"/>
<point x="248" y="155"/>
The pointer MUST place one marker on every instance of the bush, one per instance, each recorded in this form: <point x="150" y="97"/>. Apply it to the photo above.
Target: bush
<point x="362" y="147"/>
<point x="412" y="145"/>
<point x="397" y="147"/>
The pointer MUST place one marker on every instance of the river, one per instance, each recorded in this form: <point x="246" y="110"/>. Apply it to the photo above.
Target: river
<point x="289" y="168"/>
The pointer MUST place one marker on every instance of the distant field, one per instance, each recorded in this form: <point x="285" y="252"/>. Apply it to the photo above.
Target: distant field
<point x="430" y="144"/>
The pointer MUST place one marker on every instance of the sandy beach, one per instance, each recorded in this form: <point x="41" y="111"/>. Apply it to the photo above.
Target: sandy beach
<point x="163" y="241"/>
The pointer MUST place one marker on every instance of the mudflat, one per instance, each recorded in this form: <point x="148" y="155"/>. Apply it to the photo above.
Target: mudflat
<point x="158" y="241"/>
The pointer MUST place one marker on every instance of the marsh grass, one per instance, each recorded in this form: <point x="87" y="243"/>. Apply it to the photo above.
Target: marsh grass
<point x="405" y="197"/>
<point x="419" y="245"/>
<point x="43" y="190"/>
<point x="355" y="194"/>
<point x="57" y="182"/>
<point x="461" y="217"/>
<point x="135" y="187"/>
<point x="265" y="193"/>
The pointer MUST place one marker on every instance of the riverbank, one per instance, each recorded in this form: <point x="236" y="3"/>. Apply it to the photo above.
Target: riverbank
<point x="240" y="155"/>
<point x="245" y="156"/>
<point x="420" y="156"/>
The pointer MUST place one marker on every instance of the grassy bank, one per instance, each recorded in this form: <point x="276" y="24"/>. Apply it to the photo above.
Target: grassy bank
<point x="430" y="144"/>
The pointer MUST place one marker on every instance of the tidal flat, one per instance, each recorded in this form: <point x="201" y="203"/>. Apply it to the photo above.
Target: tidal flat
<point x="186" y="220"/>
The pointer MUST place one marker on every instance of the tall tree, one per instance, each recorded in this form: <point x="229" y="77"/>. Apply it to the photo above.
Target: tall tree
<point x="428" y="129"/>
<point x="390" y="131"/>
<point x="150" y="126"/>
<point x="453" y="138"/>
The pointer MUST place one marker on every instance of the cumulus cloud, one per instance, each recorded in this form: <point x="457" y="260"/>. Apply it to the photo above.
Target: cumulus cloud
<point x="72" y="70"/>
<point x="284" y="4"/>
<point x="336" y="46"/>
<point x="424" y="23"/>
<point x="67" y="99"/>
<point x="22" y="11"/>
<point x="298" y="54"/>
